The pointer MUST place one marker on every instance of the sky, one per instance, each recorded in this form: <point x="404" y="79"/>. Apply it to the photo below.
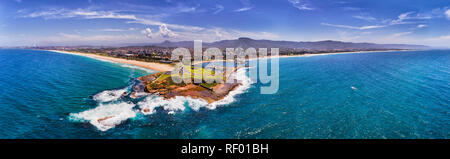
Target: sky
<point x="119" y="22"/>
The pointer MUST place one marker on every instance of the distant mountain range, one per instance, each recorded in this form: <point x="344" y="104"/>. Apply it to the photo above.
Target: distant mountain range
<point x="319" y="45"/>
<point x="284" y="46"/>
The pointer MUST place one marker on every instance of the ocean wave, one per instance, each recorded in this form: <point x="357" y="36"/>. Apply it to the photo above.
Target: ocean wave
<point x="138" y="95"/>
<point x="103" y="60"/>
<point x="109" y="95"/>
<point x="172" y="105"/>
<point x="137" y="68"/>
<point x="106" y="116"/>
<point x="245" y="81"/>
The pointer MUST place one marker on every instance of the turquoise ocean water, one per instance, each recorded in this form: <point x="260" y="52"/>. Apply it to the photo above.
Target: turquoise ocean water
<point x="371" y="95"/>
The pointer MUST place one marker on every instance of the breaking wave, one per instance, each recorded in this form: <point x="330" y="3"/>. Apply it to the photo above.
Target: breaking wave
<point x="245" y="81"/>
<point x="109" y="95"/>
<point x="172" y="106"/>
<point x="138" y="95"/>
<point x="112" y="109"/>
<point x="137" y="68"/>
<point x="106" y="116"/>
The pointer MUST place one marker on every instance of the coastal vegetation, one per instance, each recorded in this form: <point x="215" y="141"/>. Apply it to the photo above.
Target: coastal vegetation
<point x="162" y="83"/>
<point x="162" y="52"/>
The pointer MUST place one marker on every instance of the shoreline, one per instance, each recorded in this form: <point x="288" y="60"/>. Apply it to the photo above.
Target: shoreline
<point x="149" y="65"/>
<point x="337" y="53"/>
<point x="164" y="67"/>
<point x="310" y="55"/>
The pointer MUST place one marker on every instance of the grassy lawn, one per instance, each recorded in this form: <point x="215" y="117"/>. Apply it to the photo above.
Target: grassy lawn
<point x="194" y="73"/>
<point x="162" y="77"/>
<point x="198" y="73"/>
<point x="209" y="85"/>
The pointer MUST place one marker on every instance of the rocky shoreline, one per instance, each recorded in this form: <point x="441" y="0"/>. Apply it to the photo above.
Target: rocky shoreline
<point x="161" y="84"/>
<point x="167" y="89"/>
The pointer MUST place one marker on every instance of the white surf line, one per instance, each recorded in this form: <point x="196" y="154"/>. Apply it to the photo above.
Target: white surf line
<point x="154" y="67"/>
<point x="106" y="116"/>
<point x="308" y="55"/>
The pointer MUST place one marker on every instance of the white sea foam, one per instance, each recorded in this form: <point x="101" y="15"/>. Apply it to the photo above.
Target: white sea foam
<point x="138" y="95"/>
<point x="138" y="68"/>
<point x="106" y="116"/>
<point x="172" y="105"/>
<point x="99" y="59"/>
<point x="109" y="95"/>
<point x="230" y="98"/>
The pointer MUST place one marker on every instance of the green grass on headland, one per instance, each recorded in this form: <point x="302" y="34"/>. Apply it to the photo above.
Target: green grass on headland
<point x="193" y="73"/>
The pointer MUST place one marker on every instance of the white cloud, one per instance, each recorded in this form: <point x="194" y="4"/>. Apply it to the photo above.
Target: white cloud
<point x="243" y="9"/>
<point x="103" y="15"/>
<point x="219" y="8"/>
<point x="89" y="14"/>
<point x="165" y="32"/>
<point x="401" y="34"/>
<point x="247" y="6"/>
<point x="404" y="15"/>
<point x="447" y="13"/>
<point x="158" y="23"/>
<point x="300" y="4"/>
<point x="45" y="14"/>
<point x="147" y="32"/>
<point x="219" y="35"/>
<point x="113" y="30"/>
<point x="215" y="34"/>
<point x="366" y="18"/>
<point x="185" y="9"/>
<point x="176" y="8"/>
<point x="106" y="39"/>
<point x="346" y="36"/>
<point x="234" y="34"/>
<point x="421" y="26"/>
<point x="175" y="32"/>
<point x="78" y="39"/>
<point x="441" y="41"/>
<point x="354" y="27"/>
<point x="402" y="18"/>
<point x="445" y="37"/>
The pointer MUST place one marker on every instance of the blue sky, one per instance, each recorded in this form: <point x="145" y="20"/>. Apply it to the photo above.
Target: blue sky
<point x="109" y="22"/>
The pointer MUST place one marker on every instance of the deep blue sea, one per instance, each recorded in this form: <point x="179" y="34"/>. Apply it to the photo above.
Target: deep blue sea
<point x="390" y="95"/>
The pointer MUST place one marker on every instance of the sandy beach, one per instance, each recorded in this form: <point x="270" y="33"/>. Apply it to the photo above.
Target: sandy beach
<point x="165" y="67"/>
<point x="335" y="53"/>
<point x="150" y="65"/>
